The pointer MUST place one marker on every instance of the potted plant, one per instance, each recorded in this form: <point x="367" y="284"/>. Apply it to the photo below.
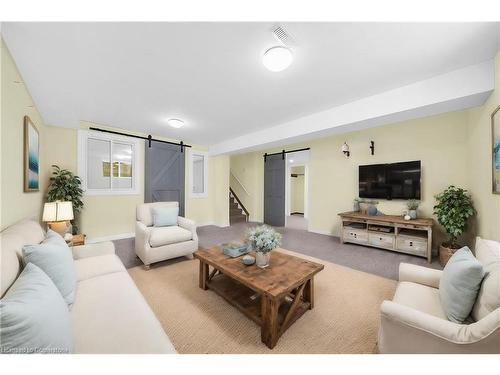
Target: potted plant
<point x="453" y="209"/>
<point x="412" y="205"/>
<point x="263" y="239"/>
<point x="356" y="207"/>
<point x="65" y="186"/>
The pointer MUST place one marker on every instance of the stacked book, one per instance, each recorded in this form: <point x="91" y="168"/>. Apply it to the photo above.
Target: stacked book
<point x="235" y="248"/>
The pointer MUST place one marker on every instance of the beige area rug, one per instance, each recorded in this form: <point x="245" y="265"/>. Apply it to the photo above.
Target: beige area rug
<point x="345" y="318"/>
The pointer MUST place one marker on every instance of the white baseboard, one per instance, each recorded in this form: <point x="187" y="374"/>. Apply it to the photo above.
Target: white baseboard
<point x="212" y="223"/>
<point x="113" y="237"/>
<point x="319" y="231"/>
<point x="204" y="224"/>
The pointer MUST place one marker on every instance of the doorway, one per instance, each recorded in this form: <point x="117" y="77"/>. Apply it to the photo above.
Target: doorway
<point x="164" y="174"/>
<point x="275" y="190"/>
<point x="277" y="185"/>
<point x="297" y="191"/>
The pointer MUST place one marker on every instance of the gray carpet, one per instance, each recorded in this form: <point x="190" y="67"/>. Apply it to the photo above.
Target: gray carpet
<point x="376" y="261"/>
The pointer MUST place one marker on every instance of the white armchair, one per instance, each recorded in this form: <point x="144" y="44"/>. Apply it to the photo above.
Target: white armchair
<point x="414" y="322"/>
<point x="155" y="244"/>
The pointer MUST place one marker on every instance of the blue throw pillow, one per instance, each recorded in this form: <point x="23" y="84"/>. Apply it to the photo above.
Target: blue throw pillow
<point x="56" y="260"/>
<point x="165" y="216"/>
<point x="34" y="318"/>
<point x="459" y="285"/>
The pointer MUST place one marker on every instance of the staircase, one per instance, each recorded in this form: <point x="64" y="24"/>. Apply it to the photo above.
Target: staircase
<point x="237" y="212"/>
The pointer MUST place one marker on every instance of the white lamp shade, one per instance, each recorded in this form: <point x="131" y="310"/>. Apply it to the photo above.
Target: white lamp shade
<point x="57" y="211"/>
<point x="345" y="147"/>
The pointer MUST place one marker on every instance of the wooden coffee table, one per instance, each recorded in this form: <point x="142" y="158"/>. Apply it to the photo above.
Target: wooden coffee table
<point x="273" y="297"/>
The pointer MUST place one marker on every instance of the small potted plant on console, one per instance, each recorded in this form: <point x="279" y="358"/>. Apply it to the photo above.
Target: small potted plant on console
<point x="453" y="209"/>
<point x="412" y="205"/>
<point x="263" y="239"/>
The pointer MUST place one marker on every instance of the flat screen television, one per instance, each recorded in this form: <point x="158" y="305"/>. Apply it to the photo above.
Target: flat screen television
<point x="390" y="181"/>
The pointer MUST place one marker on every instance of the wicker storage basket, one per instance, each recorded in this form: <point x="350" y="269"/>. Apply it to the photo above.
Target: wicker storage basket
<point x="445" y="254"/>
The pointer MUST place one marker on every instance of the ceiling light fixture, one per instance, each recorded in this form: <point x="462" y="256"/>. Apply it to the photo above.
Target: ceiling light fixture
<point x="277" y="58"/>
<point x="175" y="123"/>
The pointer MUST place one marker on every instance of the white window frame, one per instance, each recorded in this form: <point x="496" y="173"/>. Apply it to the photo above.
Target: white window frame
<point x="192" y="194"/>
<point x="83" y="137"/>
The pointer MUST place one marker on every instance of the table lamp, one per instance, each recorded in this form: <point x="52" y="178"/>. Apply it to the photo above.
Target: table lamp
<point x="56" y="214"/>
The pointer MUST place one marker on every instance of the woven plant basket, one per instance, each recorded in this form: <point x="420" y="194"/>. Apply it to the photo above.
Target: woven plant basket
<point x="445" y="254"/>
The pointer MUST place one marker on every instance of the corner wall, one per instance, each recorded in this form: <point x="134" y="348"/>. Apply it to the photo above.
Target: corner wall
<point x="102" y="216"/>
<point x="438" y="141"/>
<point x="248" y="170"/>
<point x="455" y="148"/>
<point x="114" y="215"/>
<point x="16" y="103"/>
<point x="479" y="163"/>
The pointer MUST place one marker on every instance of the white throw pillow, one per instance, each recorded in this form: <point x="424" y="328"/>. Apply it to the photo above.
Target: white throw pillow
<point x="487" y="251"/>
<point x="488" y="298"/>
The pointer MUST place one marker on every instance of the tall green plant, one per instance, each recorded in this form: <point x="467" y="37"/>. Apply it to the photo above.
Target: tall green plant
<point x="453" y="209"/>
<point x="65" y="186"/>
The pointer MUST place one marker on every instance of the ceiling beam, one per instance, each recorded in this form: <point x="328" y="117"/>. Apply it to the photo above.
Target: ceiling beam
<point x="457" y="90"/>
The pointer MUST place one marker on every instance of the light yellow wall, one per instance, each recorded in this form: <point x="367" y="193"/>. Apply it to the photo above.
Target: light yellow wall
<point x="479" y="163"/>
<point x="455" y="148"/>
<point x="109" y="215"/>
<point x="249" y="170"/>
<point x="16" y="102"/>
<point x="220" y="189"/>
<point x="102" y="215"/>
<point x="215" y="208"/>
<point x="438" y="141"/>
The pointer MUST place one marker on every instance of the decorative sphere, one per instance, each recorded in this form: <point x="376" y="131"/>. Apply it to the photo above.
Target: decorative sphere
<point x="407" y="217"/>
<point x="248" y="260"/>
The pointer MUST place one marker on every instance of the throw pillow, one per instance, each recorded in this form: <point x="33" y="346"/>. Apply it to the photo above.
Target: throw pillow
<point x="34" y="318"/>
<point x="56" y="260"/>
<point x="488" y="298"/>
<point x="165" y="216"/>
<point x="459" y="285"/>
<point x="487" y="251"/>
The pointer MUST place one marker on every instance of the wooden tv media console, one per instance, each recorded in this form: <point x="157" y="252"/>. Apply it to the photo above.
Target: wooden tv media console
<point x="388" y="232"/>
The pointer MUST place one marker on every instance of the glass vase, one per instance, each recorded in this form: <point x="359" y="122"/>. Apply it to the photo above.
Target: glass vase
<point x="262" y="259"/>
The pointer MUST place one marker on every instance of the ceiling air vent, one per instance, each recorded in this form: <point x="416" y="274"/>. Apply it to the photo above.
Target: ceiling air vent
<point x="282" y="35"/>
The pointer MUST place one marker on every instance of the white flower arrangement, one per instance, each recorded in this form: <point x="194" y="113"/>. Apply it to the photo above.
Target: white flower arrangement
<point x="263" y="238"/>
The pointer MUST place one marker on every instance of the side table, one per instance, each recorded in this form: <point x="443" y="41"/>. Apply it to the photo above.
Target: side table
<point x="77" y="240"/>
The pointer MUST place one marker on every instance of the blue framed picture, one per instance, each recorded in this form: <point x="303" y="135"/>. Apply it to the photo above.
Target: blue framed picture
<point x="495" y="136"/>
<point x="31" y="156"/>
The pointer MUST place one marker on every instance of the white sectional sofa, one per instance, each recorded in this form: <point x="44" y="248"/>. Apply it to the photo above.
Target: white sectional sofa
<point x="109" y="314"/>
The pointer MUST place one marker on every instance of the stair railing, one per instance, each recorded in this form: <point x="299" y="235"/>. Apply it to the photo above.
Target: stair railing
<point x="239" y="202"/>
<point x="239" y="183"/>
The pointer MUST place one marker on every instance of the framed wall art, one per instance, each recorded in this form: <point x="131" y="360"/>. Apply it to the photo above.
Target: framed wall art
<point x="495" y="136"/>
<point x="31" y="156"/>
